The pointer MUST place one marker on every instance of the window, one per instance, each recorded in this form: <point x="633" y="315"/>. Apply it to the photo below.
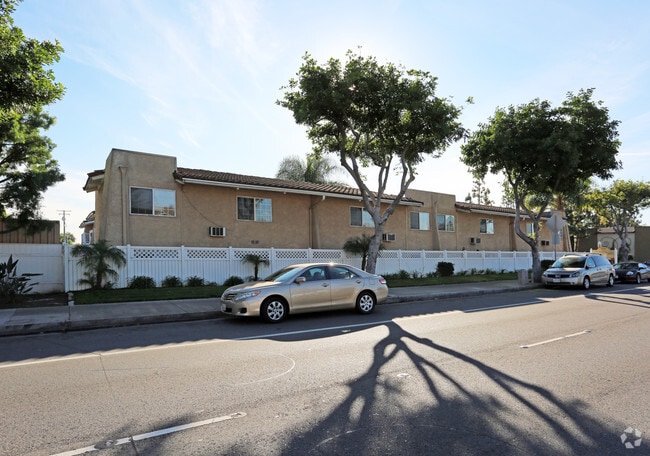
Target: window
<point x="446" y="223"/>
<point x="256" y="209"/>
<point x="153" y="201"/>
<point x="419" y="220"/>
<point x="361" y="217"/>
<point x="486" y="226"/>
<point x="529" y="230"/>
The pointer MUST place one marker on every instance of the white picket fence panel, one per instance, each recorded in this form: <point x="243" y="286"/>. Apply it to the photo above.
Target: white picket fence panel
<point x="60" y="271"/>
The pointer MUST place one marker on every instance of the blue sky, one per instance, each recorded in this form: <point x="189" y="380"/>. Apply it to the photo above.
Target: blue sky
<point x="198" y="80"/>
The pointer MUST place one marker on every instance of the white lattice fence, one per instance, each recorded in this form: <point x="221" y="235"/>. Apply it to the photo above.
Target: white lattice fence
<point x="61" y="271"/>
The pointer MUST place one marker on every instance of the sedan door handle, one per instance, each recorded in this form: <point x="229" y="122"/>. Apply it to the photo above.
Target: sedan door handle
<point x="325" y="284"/>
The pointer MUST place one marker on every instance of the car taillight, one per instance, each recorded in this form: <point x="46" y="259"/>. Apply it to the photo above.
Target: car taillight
<point x="382" y="281"/>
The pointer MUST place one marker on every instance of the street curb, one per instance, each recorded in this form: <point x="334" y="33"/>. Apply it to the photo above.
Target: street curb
<point x="68" y="325"/>
<point x="428" y="297"/>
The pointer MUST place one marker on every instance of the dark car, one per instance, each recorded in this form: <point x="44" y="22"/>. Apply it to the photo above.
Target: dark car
<point x="632" y="271"/>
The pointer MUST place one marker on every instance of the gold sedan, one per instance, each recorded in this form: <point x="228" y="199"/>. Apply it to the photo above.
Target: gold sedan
<point x="310" y="287"/>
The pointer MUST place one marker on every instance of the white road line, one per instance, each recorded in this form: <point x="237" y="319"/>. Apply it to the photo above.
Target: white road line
<point x="149" y="435"/>
<point x="581" y="333"/>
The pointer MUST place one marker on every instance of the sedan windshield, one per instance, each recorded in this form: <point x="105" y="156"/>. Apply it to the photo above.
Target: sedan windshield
<point x="284" y="274"/>
<point x="626" y="266"/>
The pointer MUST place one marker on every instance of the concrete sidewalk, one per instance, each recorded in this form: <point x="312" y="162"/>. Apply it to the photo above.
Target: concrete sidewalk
<point x="52" y="319"/>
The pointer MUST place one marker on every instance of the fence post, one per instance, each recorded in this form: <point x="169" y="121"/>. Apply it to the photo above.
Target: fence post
<point x="183" y="263"/>
<point x="66" y="267"/>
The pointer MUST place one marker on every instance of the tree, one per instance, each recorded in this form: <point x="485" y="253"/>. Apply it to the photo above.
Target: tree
<point x="27" y="84"/>
<point x="480" y="192"/>
<point x="256" y="261"/>
<point x="581" y="218"/>
<point x="316" y="169"/>
<point x="619" y="207"/>
<point x="360" y="245"/>
<point x="67" y="238"/>
<point x="98" y="259"/>
<point x="545" y="152"/>
<point x="372" y="115"/>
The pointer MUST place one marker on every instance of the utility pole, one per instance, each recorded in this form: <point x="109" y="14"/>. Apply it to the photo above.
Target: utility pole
<point x="63" y="213"/>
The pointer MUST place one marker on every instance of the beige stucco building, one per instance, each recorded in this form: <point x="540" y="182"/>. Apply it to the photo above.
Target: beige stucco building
<point x="146" y="199"/>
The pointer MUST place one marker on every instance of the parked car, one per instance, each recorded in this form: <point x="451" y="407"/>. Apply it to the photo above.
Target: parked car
<point x="580" y="271"/>
<point x="303" y="288"/>
<point x="632" y="271"/>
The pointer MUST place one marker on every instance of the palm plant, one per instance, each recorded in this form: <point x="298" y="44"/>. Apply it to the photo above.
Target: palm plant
<point x="256" y="261"/>
<point x="360" y="245"/>
<point x="98" y="259"/>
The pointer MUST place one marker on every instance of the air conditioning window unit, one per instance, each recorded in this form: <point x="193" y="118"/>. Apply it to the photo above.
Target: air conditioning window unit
<point x="388" y="237"/>
<point x="217" y="231"/>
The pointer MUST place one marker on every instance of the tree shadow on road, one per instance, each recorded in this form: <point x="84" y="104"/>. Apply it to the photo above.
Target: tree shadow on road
<point x="467" y="407"/>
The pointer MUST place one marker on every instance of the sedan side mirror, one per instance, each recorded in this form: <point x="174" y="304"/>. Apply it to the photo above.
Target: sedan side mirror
<point x="300" y="279"/>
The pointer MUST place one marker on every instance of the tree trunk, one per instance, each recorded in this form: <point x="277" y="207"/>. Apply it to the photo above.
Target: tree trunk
<point x="373" y="251"/>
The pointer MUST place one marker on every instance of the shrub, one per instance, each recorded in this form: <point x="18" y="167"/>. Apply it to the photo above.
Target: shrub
<point x="195" y="281"/>
<point x="401" y="275"/>
<point x="233" y="280"/>
<point x="445" y="269"/>
<point x="141" y="282"/>
<point x="171" y="282"/>
<point x="11" y="284"/>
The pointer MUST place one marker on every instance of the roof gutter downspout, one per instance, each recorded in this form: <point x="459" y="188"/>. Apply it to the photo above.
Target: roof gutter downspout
<point x="314" y="227"/>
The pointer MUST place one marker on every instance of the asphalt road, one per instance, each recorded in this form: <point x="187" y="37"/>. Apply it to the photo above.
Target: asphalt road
<point x="534" y="372"/>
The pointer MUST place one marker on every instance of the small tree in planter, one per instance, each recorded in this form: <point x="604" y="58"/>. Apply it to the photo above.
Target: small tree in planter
<point x="360" y="245"/>
<point x="98" y="259"/>
<point x="256" y="261"/>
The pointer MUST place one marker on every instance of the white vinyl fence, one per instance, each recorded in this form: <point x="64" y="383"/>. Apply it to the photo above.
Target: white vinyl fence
<point x="60" y="271"/>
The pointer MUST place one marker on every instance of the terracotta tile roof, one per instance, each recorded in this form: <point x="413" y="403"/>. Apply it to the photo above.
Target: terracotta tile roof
<point x="231" y="179"/>
<point x="472" y="207"/>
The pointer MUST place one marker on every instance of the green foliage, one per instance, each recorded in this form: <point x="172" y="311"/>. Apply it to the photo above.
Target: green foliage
<point x="256" y="261"/>
<point x="401" y="275"/>
<point x="141" y="282"/>
<point x="98" y="259"/>
<point x="316" y="169"/>
<point x="195" y="281"/>
<point x="619" y="207"/>
<point x="368" y="114"/>
<point x="545" y="152"/>
<point x="27" y="84"/>
<point x="445" y="269"/>
<point x="12" y="284"/>
<point x="360" y="245"/>
<point x="232" y="281"/>
<point x="171" y="282"/>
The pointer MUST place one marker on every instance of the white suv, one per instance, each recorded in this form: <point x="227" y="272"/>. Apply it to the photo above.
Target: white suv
<point x="580" y="271"/>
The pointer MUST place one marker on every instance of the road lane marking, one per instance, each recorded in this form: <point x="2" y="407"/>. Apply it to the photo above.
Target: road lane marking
<point x="581" y="333"/>
<point x="150" y="435"/>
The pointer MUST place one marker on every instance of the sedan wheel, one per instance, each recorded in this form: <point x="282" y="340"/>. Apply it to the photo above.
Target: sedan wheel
<point x="638" y="278"/>
<point x="610" y="281"/>
<point x="274" y="310"/>
<point x="365" y="303"/>
<point x="586" y="284"/>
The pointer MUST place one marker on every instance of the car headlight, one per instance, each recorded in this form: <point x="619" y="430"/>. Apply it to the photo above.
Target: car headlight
<point x="575" y="274"/>
<point x="246" y="295"/>
<point x="629" y="273"/>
